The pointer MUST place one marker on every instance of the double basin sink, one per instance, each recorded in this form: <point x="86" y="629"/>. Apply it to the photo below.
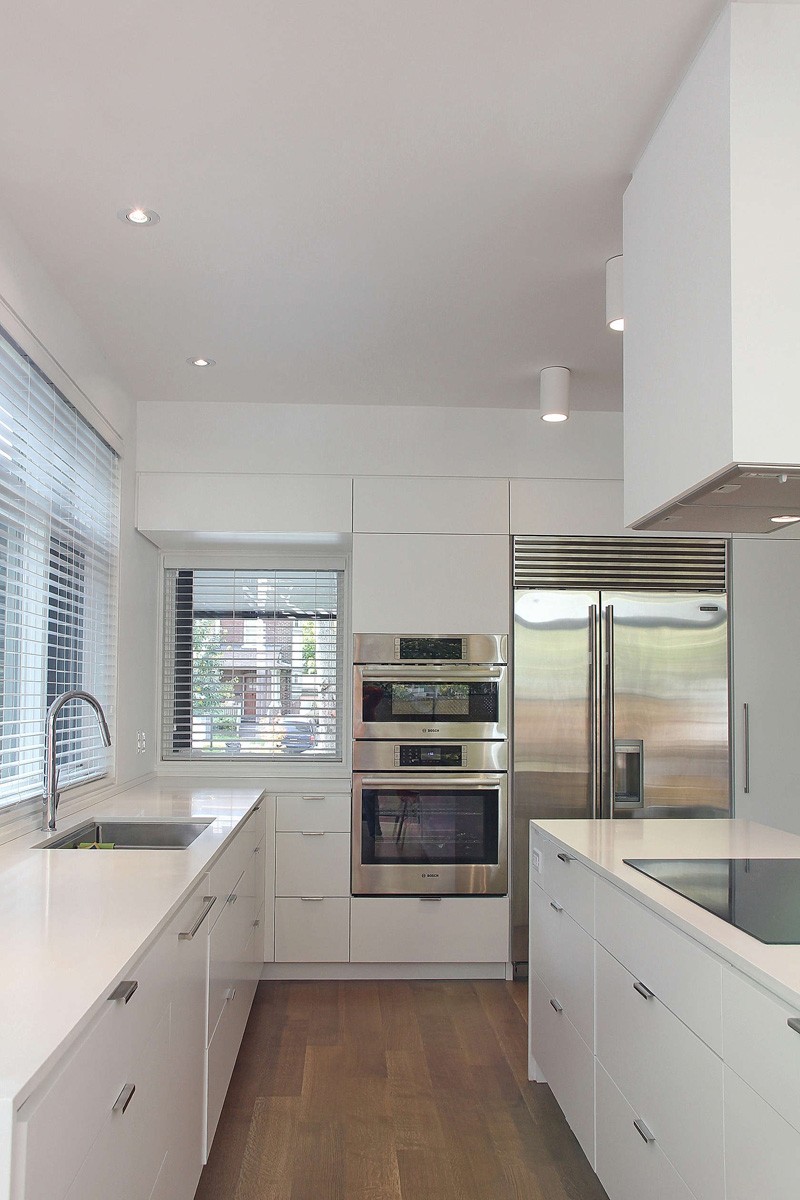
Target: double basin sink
<point x="129" y="835"/>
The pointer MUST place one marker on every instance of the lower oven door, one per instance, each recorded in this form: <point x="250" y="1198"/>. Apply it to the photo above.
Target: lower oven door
<point x="443" y="835"/>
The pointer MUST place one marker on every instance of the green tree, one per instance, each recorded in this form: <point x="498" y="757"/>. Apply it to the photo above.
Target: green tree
<point x="209" y="690"/>
<point x="309" y="648"/>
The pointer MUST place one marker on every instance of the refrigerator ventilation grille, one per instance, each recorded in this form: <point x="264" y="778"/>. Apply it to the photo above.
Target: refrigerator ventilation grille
<point x="657" y="564"/>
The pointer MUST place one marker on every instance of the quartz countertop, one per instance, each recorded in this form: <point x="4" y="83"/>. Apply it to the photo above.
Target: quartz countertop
<point x="72" y="923"/>
<point x="602" y="846"/>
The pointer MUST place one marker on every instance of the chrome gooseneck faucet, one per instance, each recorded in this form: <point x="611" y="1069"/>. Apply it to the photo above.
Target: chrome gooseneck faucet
<point x="51" y="795"/>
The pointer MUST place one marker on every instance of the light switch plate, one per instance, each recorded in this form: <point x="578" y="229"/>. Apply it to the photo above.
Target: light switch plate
<point x="536" y="860"/>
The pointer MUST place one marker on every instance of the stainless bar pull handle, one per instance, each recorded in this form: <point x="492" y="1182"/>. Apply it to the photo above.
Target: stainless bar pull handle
<point x="208" y="904"/>
<point x="565" y="858"/>
<point x="257" y="850"/>
<point x="611" y="732"/>
<point x="230" y="993"/>
<point x="429" y="899"/>
<point x="746" y="738"/>
<point x="794" y="1023"/>
<point x="446" y="782"/>
<point x="256" y="924"/>
<point x="594" y="756"/>
<point x="643" y="991"/>
<point x="313" y="797"/>
<point x="232" y="898"/>
<point x="559" y="1008"/>
<point x="316" y="899"/>
<point x="556" y="907"/>
<point x="642" y="1130"/>
<point x="124" y="990"/>
<point x="312" y="833"/>
<point x="124" y="1098"/>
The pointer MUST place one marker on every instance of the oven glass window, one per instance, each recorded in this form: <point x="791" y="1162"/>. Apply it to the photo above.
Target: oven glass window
<point x="416" y="825"/>
<point x="428" y="700"/>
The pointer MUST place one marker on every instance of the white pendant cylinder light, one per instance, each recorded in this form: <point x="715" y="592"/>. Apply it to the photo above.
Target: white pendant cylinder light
<point x="554" y="393"/>
<point x="615" y="313"/>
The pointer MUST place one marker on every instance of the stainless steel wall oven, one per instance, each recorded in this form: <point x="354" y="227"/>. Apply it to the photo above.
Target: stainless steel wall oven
<point x="430" y="762"/>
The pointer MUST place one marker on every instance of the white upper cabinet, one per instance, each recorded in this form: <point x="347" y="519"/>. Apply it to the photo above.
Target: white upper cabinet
<point x="711" y="259"/>
<point x="434" y="583"/>
<point x="566" y="507"/>
<point x="413" y="504"/>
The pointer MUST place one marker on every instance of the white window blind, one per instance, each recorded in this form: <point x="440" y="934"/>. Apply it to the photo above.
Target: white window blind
<point x="252" y="664"/>
<point x="59" y="502"/>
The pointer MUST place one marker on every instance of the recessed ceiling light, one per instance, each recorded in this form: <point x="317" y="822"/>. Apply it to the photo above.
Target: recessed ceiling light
<point x="784" y="520"/>
<point x="139" y="216"/>
<point x="201" y="362"/>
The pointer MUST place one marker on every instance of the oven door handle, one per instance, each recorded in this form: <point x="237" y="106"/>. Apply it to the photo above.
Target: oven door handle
<point x="423" y="674"/>
<point x="414" y="781"/>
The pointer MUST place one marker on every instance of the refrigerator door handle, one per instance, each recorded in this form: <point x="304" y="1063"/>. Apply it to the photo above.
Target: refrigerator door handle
<point x="610" y="731"/>
<point x="595" y="781"/>
<point x="746" y="732"/>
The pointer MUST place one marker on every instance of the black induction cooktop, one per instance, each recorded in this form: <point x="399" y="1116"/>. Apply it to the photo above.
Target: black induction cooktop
<point x="760" y="896"/>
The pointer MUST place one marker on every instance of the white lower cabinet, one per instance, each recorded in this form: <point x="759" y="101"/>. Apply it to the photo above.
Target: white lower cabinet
<point x="567" y="1062"/>
<point x="312" y="929"/>
<point x="406" y="929"/>
<point x="630" y="1163"/>
<point x="762" y="1151"/>
<point x="127" y="1111"/>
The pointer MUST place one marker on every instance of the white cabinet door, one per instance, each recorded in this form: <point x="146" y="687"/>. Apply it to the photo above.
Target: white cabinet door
<point x="766" y="632"/>
<point x="386" y="504"/>
<point x="762" y="1151"/>
<point x="431" y="583"/>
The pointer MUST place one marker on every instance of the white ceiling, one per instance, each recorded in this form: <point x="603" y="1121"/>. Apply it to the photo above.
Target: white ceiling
<point x="361" y="202"/>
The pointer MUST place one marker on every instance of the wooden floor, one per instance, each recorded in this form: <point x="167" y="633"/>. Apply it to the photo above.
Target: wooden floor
<point x="391" y="1091"/>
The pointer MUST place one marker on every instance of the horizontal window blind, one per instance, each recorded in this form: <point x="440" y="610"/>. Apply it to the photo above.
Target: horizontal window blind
<point x="252" y="664"/>
<point x="59" y="521"/>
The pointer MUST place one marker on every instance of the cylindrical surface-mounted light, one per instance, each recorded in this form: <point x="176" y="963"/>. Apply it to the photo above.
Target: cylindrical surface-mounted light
<point x="615" y="313"/>
<point x="554" y="393"/>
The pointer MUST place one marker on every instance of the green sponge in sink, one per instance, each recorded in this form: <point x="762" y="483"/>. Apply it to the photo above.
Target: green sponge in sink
<point x="96" y="845"/>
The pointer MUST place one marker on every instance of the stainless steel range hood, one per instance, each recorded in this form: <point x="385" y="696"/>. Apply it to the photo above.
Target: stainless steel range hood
<point x="742" y="498"/>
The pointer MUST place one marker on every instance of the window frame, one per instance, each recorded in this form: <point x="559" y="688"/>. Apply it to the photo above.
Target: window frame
<point x="267" y="560"/>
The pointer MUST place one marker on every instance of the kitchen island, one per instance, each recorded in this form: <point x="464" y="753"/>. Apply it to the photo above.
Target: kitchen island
<point x="77" y="924"/>
<point x="669" y="1037"/>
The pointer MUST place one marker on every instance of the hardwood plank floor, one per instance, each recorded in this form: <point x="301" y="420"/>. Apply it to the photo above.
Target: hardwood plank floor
<point x="391" y="1090"/>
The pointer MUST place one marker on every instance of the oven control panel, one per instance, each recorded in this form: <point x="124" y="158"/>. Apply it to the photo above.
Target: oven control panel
<point x="429" y="754"/>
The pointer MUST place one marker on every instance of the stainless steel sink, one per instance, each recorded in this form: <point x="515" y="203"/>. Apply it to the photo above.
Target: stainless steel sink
<point x="130" y="835"/>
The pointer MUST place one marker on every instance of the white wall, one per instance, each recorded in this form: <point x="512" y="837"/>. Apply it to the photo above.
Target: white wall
<point x="34" y="311"/>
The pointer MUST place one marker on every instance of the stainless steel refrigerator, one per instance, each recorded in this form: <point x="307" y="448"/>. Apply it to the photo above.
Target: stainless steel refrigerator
<point x="620" y="710"/>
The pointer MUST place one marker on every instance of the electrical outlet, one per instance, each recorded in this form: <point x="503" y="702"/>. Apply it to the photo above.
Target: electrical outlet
<point x="536" y="860"/>
<point x="141" y="741"/>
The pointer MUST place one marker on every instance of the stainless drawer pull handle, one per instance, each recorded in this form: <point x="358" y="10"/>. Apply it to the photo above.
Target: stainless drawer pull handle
<point x="313" y="797"/>
<point x="256" y="924"/>
<point x="313" y="833"/>
<point x="257" y="850"/>
<point x="559" y="1008"/>
<point x="565" y="858"/>
<point x="556" y="907"/>
<point x="124" y="990"/>
<point x="208" y="904"/>
<point x="230" y="994"/>
<point x="232" y="898"/>
<point x="643" y="991"/>
<point x="124" y="1098"/>
<point x="642" y="1130"/>
<point x="316" y="899"/>
<point x="794" y="1023"/>
<point x="430" y="899"/>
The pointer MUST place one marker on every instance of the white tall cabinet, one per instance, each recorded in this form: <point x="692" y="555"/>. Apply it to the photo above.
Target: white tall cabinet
<point x="765" y="616"/>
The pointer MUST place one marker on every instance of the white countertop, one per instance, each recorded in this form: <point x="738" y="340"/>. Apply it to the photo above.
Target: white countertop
<point x="602" y="845"/>
<point x="71" y="923"/>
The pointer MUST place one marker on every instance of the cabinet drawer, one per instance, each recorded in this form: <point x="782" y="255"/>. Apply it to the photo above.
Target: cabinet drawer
<point x="566" y="1061"/>
<point x="629" y="1167"/>
<point x="562" y="954"/>
<point x="760" y="1046"/>
<point x="312" y="930"/>
<point x="406" y="929"/>
<point x="227" y="943"/>
<point x="684" y="976"/>
<point x="565" y="880"/>
<point x="229" y="867"/>
<point x="312" y="864"/>
<point x="59" y="1124"/>
<point x="314" y="810"/>
<point x="762" y="1156"/>
<point x="130" y="1148"/>
<point x="221" y="1056"/>
<point x="666" y="1073"/>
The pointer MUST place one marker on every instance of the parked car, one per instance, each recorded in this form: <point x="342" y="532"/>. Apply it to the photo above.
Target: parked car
<point x="299" y="734"/>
